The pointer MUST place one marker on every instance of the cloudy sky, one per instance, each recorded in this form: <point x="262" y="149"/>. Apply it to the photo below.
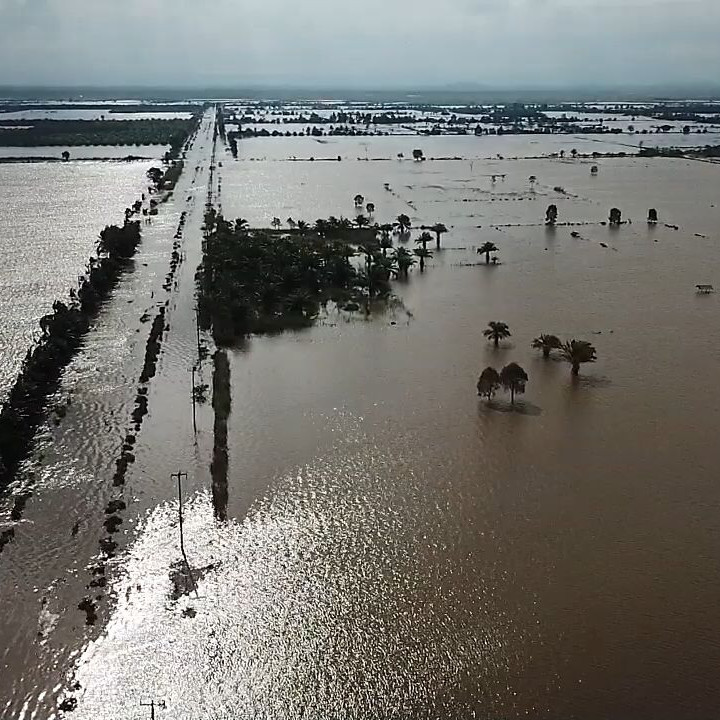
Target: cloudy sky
<point x="370" y="44"/>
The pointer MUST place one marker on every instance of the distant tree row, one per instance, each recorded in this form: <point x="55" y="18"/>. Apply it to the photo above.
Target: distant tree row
<point x="99" y="132"/>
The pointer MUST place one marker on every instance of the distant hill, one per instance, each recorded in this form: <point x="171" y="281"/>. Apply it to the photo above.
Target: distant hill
<point x="458" y="93"/>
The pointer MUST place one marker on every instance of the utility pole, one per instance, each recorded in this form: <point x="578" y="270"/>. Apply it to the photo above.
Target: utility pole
<point x="179" y="475"/>
<point x="152" y="705"/>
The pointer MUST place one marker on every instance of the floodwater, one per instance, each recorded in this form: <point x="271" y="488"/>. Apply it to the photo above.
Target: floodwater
<point x="395" y="546"/>
<point x="84" y="152"/>
<point x="52" y="216"/>
<point x="99" y="114"/>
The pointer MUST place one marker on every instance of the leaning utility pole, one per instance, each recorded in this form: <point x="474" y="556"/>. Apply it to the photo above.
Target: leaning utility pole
<point x="152" y="704"/>
<point x="179" y="477"/>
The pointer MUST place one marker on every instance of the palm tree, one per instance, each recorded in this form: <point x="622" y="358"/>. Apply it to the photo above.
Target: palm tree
<point x="359" y="200"/>
<point x="276" y="223"/>
<point x="551" y="215"/>
<point x="291" y="223"/>
<point x="423" y="254"/>
<point x="370" y="251"/>
<point x="361" y="221"/>
<point x="652" y="216"/>
<point x="404" y="222"/>
<point x="488" y="383"/>
<point x="574" y="153"/>
<point x="241" y="224"/>
<point x="383" y="269"/>
<point x="486" y="249"/>
<point x="370" y="207"/>
<point x="302" y="226"/>
<point x="513" y="379"/>
<point x="546" y="343"/>
<point x="497" y="331"/>
<point x="404" y="259"/>
<point x="65" y="155"/>
<point x="438" y="229"/>
<point x="577" y="352"/>
<point x="424" y="239"/>
<point x="615" y="216"/>
<point x="532" y="179"/>
<point x="386" y="242"/>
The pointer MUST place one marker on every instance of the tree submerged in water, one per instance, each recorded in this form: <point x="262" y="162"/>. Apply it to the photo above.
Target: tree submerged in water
<point x="513" y="379"/>
<point x="497" y="331"/>
<point x="423" y="254"/>
<point x="439" y="229"/>
<point x="404" y="259"/>
<point x="578" y="352"/>
<point x="551" y="215"/>
<point x="487" y="248"/>
<point x="253" y="281"/>
<point x="546" y="343"/>
<point x="615" y="216"/>
<point x="488" y="383"/>
<point x="404" y="223"/>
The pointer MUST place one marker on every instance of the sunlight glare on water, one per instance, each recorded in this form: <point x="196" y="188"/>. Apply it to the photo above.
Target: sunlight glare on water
<point x="322" y="603"/>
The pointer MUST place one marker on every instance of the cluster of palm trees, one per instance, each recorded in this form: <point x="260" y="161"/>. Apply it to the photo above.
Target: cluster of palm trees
<point x="574" y="352"/>
<point x="378" y="239"/>
<point x="512" y="377"/>
<point x="255" y="281"/>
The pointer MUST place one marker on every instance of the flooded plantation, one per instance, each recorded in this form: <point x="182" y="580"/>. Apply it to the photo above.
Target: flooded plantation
<point x="387" y="543"/>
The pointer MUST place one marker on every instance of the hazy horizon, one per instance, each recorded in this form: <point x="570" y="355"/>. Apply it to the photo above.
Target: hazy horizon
<point x="521" y="45"/>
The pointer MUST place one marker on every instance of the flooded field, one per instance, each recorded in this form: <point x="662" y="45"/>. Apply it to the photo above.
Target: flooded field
<point x="84" y="152"/>
<point x="52" y="216"/>
<point x="396" y="547"/>
<point x="85" y="114"/>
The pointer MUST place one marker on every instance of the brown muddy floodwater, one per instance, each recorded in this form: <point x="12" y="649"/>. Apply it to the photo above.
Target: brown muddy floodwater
<point x="398" y="548"/>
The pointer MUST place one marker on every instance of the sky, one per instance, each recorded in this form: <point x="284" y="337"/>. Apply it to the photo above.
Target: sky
<point x="370" y="44"/>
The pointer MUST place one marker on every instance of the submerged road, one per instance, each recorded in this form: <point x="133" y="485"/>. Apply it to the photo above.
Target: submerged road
<point x="73" y="513"/>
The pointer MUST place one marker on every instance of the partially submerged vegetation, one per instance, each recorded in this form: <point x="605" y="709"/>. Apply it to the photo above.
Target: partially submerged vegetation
<point x="64" y="328"/>
<point x="62" y="333"/>
<point x="512" y="378"/>
<point x="263" y="281"/>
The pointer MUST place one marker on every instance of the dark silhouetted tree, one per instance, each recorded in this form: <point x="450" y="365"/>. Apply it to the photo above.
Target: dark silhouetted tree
<point x="546" y="343"/>
<point x="488" y="383"/>
<point x="513" y="379"/>
<point x="497" y="331"/>
<point x="577" y="352"/>
<point x="551" y="215"/>
<point x="423" y="254"/>
<point x="438" y="229"/>
<point x="487" y="248"/>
